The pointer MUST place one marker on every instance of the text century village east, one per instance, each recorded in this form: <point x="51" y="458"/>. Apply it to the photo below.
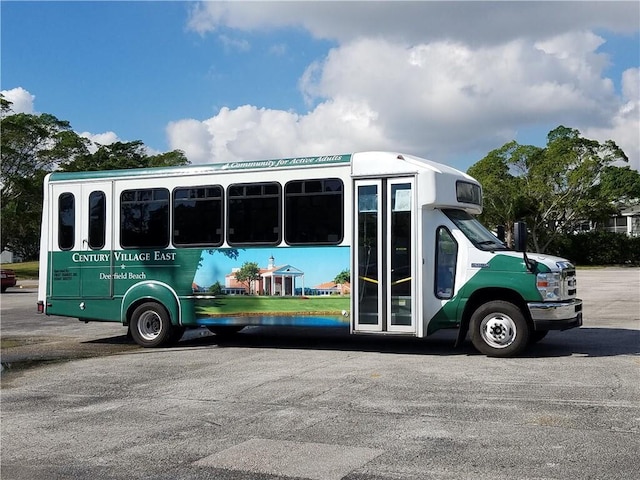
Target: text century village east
<point x="154" y="256"/>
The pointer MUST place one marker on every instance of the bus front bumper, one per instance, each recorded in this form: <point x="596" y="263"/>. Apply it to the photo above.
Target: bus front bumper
<point x="556" y="315"/>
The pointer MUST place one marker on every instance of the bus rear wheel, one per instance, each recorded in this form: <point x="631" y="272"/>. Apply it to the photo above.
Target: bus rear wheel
<point x="150" y="325"/>
<point x="499" y="329"/>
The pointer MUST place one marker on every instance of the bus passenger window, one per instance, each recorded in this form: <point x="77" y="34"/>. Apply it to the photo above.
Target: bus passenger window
<point x="144" y="218"/>
<point x="314" y="212"/>
<point x="197" y="216"/>
<point x="97" y="220"/>
<point x="446" y="259"/>
<point x="254" y="214"/>
<point x="66" y="221"/>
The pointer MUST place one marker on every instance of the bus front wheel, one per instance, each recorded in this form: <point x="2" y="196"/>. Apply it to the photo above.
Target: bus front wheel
<point x="499" y="329"/>
<point x="150" y="325"/>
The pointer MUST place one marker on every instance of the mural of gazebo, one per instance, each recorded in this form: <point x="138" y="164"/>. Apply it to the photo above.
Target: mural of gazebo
<point x="274" y="280"/>
<point x="280" y="280"/>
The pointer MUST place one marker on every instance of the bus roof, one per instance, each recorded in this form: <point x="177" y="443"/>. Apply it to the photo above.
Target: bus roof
<point x="295" y="162"/>
<point x="361" y="164"/>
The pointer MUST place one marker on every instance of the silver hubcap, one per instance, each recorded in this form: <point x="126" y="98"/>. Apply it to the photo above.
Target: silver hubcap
<point x="498" y="330"/>
<point x="149" y="325"/>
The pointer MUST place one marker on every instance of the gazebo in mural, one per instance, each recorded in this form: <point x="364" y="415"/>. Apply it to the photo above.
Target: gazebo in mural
<point x="280" y="280"/>
<point x="274" y="280"/>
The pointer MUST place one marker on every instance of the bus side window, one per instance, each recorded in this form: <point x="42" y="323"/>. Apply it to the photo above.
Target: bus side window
<point x="144" y="218"/>
<point x="314" y="212"/>
<point x="254" y="214"/>
<point x="197" y="216"/>
<point x="446" y="259"/>
<point x="97" y="220"/>
<point x="66" y="221"/>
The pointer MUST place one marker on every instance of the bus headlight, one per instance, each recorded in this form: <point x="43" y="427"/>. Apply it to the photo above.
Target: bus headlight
<point x="549" y="286"/>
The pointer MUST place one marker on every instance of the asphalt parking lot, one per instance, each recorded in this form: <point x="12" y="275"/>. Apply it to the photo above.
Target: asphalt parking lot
<point x="319" y="404"/>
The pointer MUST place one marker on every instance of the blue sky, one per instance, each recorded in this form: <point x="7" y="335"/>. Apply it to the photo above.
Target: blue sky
<point x="246" y="80"/>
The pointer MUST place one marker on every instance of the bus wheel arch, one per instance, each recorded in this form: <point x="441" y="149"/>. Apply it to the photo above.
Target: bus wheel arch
<point x="154" y="292"/>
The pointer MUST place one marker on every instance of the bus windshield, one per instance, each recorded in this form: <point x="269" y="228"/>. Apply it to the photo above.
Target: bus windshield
<point x="482" y="238"/>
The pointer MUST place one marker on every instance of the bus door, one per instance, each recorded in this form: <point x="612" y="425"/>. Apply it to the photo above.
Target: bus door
<point x="63" y="241"/>
<point x="80" y="258"/>
<point x="384" y="295"/>
<point x="96" y="227"/>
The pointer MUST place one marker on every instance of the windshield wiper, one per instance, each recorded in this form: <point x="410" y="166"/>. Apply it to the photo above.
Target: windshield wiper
<point x="497" y="244"/>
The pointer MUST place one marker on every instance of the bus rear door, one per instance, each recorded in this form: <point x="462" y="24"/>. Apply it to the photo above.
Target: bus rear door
<point x="80" y="256"/>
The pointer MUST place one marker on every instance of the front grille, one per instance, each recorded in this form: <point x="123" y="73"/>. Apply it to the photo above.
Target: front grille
<point x="569" y="284"/>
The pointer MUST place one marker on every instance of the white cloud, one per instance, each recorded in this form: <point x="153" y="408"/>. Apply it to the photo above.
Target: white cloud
<point x="435" y="99"/>
<point x="21" y="99"/>
<point x="414" y="22"/>
<point x="624" y="127"/>
<point x="441" y="79"/>
<point x="97" y="139"/>
<point x="247" y="132"/>
<point x="192" y="137"/>
<point x="234" y="44"/>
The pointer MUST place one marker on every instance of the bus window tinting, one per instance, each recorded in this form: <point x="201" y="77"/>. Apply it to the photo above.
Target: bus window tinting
<point x="313" y="211"/>
<point x="197" y="216"/>
<point x="97" y="220"/>
<point x="254" y="213"/>
<point x="66" y="221"/>
<point x="468" y="193"/>
<point x="144" y="218"/>
<point x="446" y="258"/>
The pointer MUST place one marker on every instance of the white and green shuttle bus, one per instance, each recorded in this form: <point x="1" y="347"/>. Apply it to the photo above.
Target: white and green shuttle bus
<point x="377" y="242"/>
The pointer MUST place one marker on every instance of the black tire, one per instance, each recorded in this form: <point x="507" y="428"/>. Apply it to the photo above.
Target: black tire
<point x="150" y="325"/>
<point x="537" y="335"/>
<point x="499" y="329"/>
<point x="224" y="330"/>
<point x="4" y="289"/>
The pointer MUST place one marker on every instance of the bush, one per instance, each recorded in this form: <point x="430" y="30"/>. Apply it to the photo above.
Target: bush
<point x="597" y="247"/>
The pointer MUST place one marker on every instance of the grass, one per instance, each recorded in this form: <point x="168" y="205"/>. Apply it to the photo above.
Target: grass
<point x="251" y="304"/>
<point x="24" y="270"/>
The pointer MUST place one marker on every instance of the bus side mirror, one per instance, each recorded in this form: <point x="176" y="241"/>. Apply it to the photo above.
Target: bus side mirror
<point x="520" y="236"/>
<point x="500" y="233"/>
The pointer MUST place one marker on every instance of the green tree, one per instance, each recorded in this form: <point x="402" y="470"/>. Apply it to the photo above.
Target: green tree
<point x="343" y="277"/>
<point x="31" y="147"/>
<point x="34" y="145"/>
<point x="123" y="155"/>
<point x="554" y="189"/>
<point x="216" y="288"/>
<point x="621" y="185"/>
<point x="247" y="274"/>
<point x="504" y="200"/>
<point x="5" y="105"/>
